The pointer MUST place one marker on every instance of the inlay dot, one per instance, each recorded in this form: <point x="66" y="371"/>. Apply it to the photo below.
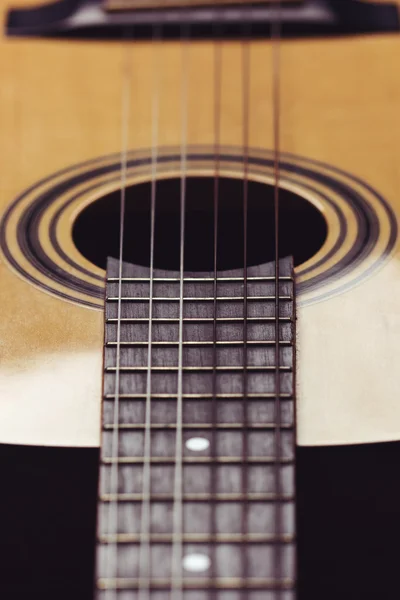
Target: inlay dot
<point x="196" y="562"/>
<point x="197" y="444"/>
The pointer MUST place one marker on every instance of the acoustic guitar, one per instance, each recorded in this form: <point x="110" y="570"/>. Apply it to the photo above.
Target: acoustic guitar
<point x="199" y="238"/>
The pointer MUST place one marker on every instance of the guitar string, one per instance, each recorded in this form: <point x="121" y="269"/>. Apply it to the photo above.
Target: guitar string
<point x="145" y="523"/>
<point x="177" y="546"/>
<point x="113" y="508"/>
<point x="112" y="524"/>
<point x="275" y="49"/>
<point x="245" y="141"/>
<point x="214" y="408"/>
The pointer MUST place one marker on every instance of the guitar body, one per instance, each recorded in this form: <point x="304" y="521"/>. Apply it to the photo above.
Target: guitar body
<point x="60" y="109"/>
<point x="79" y="120"/>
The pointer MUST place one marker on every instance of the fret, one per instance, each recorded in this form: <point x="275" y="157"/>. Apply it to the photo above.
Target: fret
<point x="198" y="497"/>
<point x="199" y="426"/>
<point x="198" y="594"/>
<point x="192" y="583"/>
<point x="230" y="396"/>
<point x="198" y="460"/>
<point x="158" y="538"/>
<point x="145" y="320"/>
<point x="200" y="343"/>
<point x="195" y="298"/>
<point x="258" y="368"/>
<point x="196" y="279"/>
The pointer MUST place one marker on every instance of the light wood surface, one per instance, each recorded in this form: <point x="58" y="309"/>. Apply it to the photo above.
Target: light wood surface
<point x="60" y="104"/>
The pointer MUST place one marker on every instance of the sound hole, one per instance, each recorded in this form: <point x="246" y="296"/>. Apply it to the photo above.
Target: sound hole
<point x="302" y="228"/>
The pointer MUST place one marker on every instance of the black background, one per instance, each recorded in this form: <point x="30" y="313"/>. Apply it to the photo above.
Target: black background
<point x="348" y="522"/>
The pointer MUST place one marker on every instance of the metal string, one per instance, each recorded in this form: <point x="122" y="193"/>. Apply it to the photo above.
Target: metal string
<point x="145" y="529"/>
<point x="214" y="414"/>
<point x="144" y="561"/>
<point x="245" y="133"/>
<point x="112" y="521"/>
<point x="177" y="546"/>
<point x="275" y="42"/>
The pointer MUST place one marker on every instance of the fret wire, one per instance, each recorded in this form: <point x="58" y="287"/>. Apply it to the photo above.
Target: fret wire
<point x="170" y="460"/>
<point x="166" y="538"/>
<point x="200" y="426"/>
<point x="195" y="298"/>
<point x="220" y="583"/>
<point x="207" y="343"/>
<point x="258" y="368"/>
<point x="196" y="319"/>
<point x="265" y="395"/>
<point x="197" y="279"/>
<point x="199" y="497"/>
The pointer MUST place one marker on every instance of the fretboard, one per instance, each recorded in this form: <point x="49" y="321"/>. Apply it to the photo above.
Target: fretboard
<point x="196" y="493"/>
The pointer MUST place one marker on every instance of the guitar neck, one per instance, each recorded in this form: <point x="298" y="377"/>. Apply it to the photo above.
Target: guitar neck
<point x="196" y="489"/>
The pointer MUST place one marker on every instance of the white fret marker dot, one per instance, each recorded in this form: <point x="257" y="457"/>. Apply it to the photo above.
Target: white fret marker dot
<point x="197" y="444"/>
<point x="196" y="562"/>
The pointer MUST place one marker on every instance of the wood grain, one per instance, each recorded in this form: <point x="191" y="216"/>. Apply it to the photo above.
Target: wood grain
<point x="238" y="493"/>
<point x="60" y="104"/>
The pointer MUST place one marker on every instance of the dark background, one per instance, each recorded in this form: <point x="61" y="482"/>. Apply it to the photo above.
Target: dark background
<point x="348" y="522"/>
